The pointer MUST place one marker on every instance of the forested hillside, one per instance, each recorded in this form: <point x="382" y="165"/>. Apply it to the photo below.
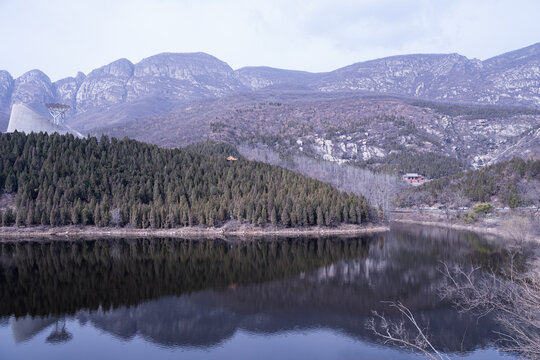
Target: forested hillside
<point x="63" y="180"/>
<point x="511" y="183"/>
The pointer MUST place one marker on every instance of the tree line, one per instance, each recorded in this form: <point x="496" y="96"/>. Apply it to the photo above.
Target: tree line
<point x="64" y="180"/>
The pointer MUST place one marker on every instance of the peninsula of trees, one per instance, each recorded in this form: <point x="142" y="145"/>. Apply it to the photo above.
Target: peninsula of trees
<point x="64" y="180"/>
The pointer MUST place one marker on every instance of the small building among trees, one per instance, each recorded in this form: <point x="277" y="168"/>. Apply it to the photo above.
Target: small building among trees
<point x="414" y="179"/>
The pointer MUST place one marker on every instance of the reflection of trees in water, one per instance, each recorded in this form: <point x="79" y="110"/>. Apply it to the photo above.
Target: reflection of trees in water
<point x="259" y="286"/>
<point x="63" y="277"/>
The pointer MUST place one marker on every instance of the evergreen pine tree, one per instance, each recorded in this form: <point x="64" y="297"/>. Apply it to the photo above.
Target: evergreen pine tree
<point x="320" y="217"/>
<point x="273" y="216"/>
<point x="285" y="219"/>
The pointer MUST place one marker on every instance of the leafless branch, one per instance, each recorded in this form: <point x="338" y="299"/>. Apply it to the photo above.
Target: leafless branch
<point x="513" y="296"/>
<point x="398" y="334"/>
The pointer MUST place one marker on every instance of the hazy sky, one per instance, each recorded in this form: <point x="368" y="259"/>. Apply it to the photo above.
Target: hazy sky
<point x="62" y="37"/>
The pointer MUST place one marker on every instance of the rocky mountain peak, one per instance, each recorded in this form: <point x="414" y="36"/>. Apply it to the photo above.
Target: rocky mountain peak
<point x="33" y="87"/>
<point x="121" y="68"/>
<point x="80" y="77"/>
<point x="526" y="54"/>
<point x="182" y="76"/>
<point x="181" y="66"/>
<point x="33" y="76"/>
<point x="5" y="77"/>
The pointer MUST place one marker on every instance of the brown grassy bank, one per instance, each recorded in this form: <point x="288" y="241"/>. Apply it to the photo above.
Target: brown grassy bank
<point x="521" y="225"/>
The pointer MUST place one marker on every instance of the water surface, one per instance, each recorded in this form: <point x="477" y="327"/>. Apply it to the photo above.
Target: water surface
<point x="302" y="298"/>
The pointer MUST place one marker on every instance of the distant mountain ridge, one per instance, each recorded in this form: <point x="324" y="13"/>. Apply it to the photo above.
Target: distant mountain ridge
<point x="510" y="79"/>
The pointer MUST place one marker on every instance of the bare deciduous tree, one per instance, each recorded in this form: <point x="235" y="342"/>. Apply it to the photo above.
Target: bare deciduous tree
<point x="513" y="296"/>
<point x="379" y="188"/>
<point x="529" y="191"/>
<point x="520" y="228"/>
<point x="116" y="217"/>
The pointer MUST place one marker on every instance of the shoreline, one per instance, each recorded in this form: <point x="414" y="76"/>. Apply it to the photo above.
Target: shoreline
<point x="69" y="232"/>
<point x="60" y="233"/>
<point x="450" y="225"/>
<point x="504" y="226"/>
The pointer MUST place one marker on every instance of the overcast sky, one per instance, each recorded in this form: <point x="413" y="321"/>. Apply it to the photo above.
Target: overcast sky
<point x="62" y="37"/>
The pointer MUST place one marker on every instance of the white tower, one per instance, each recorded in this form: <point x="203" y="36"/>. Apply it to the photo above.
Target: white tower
<point x="57" y="111"/>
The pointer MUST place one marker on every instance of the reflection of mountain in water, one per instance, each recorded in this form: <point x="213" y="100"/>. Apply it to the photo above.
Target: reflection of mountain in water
<point x="170" y="321"/>
<point x="27" y="327"/>
<point x="206" y="291"/>
<point x="210" y="317"/>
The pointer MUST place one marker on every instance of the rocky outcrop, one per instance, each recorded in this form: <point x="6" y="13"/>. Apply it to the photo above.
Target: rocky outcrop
<point x="66" y="90"/>
<point x="513" y="76"/>
<point x="526" y="146"/>
<point x="105" y="86"/>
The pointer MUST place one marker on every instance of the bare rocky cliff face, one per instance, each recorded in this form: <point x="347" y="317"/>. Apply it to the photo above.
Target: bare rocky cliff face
<point x="104" y="86"/>
<point x="66" y="90"/>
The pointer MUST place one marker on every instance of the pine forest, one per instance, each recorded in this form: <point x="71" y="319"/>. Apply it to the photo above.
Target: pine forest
<point x="63" y="180"/>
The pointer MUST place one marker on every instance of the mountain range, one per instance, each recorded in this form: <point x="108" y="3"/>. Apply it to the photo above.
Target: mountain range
<point x="509" y="79"/>
<point x="377" y="107"/>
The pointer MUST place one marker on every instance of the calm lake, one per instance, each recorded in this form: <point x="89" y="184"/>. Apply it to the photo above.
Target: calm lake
<point x="302" y="298"/>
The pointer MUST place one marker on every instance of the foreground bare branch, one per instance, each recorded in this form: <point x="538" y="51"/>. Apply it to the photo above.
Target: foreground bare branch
<point x="398" y="334"/>
<point x="514" y="297"/>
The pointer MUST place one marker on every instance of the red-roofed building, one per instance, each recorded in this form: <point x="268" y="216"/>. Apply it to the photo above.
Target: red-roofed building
<point x="414" y="179"/>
